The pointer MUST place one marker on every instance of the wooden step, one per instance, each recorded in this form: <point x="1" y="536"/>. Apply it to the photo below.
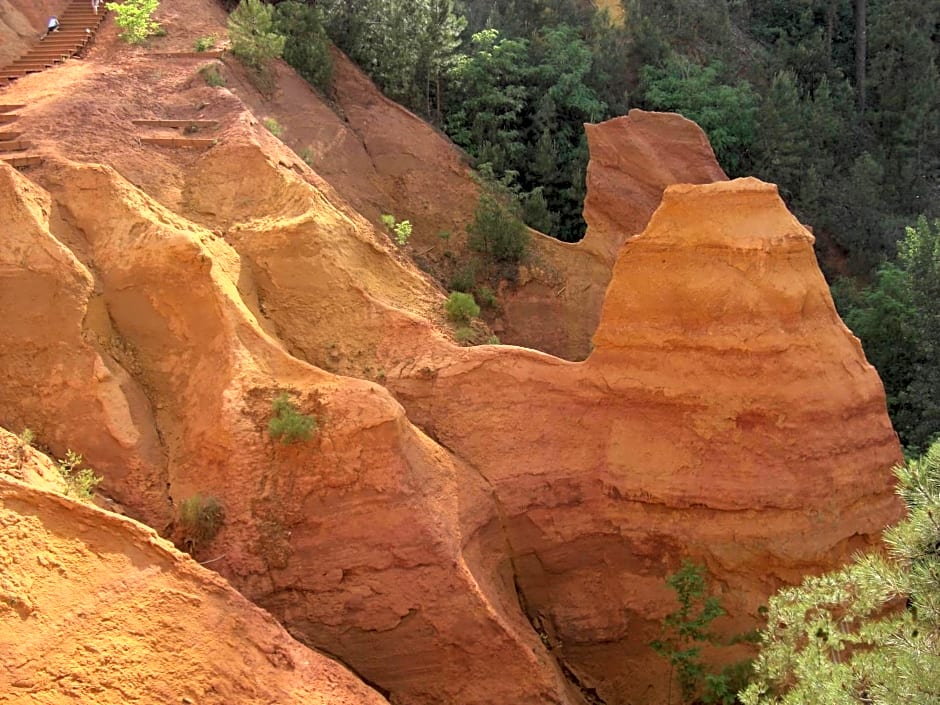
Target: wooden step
<point x="184" y="142"/>
<point x="12" y="107"/>
<point x="21" y="161"/>
<point x="34" y="66"/>
<point x="199" y="124"/>
<point x="217" y="54"/>
<point x="7" y="136"/>
<point x="6" y="119"/>
<point x="14" y="146"/>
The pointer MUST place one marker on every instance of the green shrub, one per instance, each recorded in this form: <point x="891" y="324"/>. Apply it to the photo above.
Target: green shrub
<point x="486" y="296"/>
<point x="205" y="43"/>
<point x="274" y="127"/>
<point x="493" y="340"/>
<point x="288" y="424"/>
<point x="254" y="40"/>
<point x="27" y="437"/>
<point x="461" y="307"/>
<point x="134" y="17"/>
<point x="497" y="229"/>
<point x="465" y="278"/>
<point x="210" y="74"/>
<point x="200" y="519"/>
<point x="80" y="482"/>
<point x="307" y="155"/>
<point x="400" y="229"/>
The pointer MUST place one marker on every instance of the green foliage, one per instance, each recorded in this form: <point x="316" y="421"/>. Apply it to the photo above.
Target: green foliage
<point x="135" y="18"/>
<point x="80" y="482"/>
<point x="211" y="75"/>
<point x="306" y="45"/>
<point x="464" y="278"/>
<point x="847" y="637"/>
<point x="898" y="322"/>
<point x="307" y="155"/>
<point x="685" y="630"/>
<point x="486" y="296"/>
<point x="254" y="39"/>
<point x="401" y="230"/>
<point x="493" y="340"/>
<point x="274" y="127"/>
<point x="727" y="113"/>
<point x="200" y="519"/>
<point x="27" y="437"/>
<point x="288" y="424"/>
<point x="497" y="230"/>
<point x="465" y="334"/>
<point x="461" y="307"/>
<point x="205" y="43"/>
<point x="406" y="46"/>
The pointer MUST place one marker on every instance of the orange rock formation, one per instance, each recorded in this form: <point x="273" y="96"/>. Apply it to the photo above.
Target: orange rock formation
<point x="494" y="524"/>
<point x="95" y="608"/>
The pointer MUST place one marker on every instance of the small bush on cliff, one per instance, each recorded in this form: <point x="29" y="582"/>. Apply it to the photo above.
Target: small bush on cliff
<point x="135" y="18"/>
<point x="497" y="229"/>
<point x="288" y="424"/>
<point x="400" y="229"/>
<point x="200" y="519"/>
<point x="461" y="307"/>
<point x="80" y="482"/>
<point x="868" y="633"/>
<point x="210" y="74"/>
<point x="685" y="632"/>
<point x="274" y="127"/>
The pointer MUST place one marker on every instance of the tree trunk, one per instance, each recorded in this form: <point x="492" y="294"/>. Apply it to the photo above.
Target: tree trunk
<point x="861" y="49"/>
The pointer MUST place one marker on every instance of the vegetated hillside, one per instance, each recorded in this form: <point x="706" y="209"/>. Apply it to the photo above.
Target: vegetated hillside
<point x="223" y="331"/>
<point x="838" y="102"/>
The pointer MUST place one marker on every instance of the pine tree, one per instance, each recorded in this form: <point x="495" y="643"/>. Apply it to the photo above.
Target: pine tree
<point x="869" y="633"/>
<point x="251" y="29"/>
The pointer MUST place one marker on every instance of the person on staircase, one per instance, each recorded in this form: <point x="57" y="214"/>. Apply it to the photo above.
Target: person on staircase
<point x="94" y="5"/>
<point x="51" y="26"/>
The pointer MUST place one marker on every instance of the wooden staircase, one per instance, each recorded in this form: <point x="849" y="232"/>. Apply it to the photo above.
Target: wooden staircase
<point x="78" y="24"/>
<point x="14" y="150"/>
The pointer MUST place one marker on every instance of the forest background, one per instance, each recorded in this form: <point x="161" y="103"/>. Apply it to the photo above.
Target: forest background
<point x="836" y="101"/>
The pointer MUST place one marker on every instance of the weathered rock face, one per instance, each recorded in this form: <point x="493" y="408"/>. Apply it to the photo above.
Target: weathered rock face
<point x="556" y="307"/>
<point x="357" y="539"/>
<point x="62" y="379"/>
<point x="724" y="409"/>
<point x="96" y="608"/>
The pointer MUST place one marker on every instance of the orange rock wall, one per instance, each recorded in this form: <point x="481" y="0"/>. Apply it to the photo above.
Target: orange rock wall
<point x="96" y="608"/>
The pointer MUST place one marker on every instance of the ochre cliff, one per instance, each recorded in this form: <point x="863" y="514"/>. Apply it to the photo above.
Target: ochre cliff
<point x="95" y="608"/>
<point x="468" y="525"/>
<point x="723" y="409"/>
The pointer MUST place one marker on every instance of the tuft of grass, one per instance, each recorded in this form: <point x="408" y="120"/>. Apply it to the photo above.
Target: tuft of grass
<point x="465" y="335"/>
<point x="79" y="482"/>
<point x="288" y="424"/>
<point x="200" y="519"/>
<point x="493" y="340"/>
<point x="307" y="155"/>
<point x="27" y="437"/>
<point x="211" y="75"/>
<point x="205" y="43"/>
<point x="274" y="127"/>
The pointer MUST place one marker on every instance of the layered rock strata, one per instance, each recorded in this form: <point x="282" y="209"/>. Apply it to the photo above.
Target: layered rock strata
<point x="726" y="414"/>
